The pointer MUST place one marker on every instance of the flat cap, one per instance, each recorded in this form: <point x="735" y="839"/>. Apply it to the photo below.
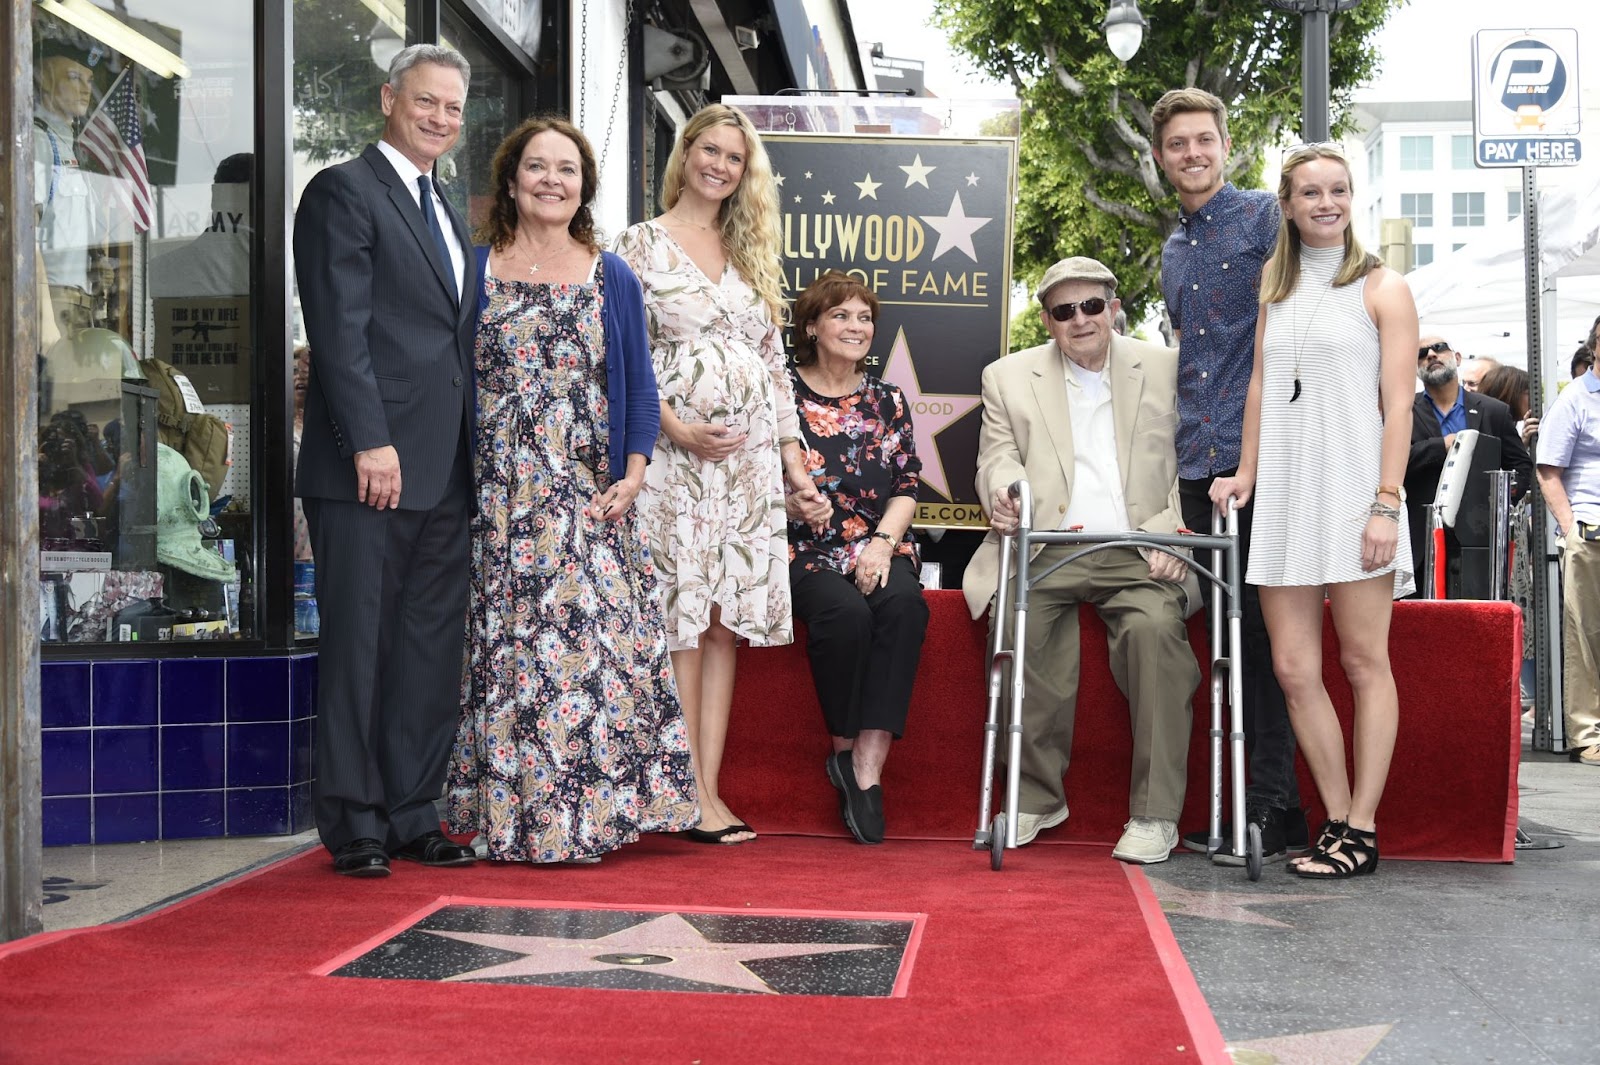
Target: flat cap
<point x="1077" y="268"/>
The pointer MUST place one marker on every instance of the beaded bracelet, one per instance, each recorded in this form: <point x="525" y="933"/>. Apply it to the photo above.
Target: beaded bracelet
<point x="1384" y="510"/>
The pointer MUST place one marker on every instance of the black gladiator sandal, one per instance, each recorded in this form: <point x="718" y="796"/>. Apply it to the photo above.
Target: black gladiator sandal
<point x="1354" y="853"/>
<point x="1327" y="836"/>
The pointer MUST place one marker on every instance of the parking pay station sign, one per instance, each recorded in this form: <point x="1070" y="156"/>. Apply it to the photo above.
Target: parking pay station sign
<point x="1525" y="101"/>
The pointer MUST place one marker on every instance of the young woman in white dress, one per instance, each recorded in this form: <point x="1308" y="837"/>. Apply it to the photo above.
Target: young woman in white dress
<point x="1326" y="436"/>
<point x="713" y="502"/>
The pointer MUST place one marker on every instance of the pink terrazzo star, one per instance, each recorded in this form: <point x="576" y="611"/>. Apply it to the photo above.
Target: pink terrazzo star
<point x="1225" y="905"/>
<point x="931" y="412"/>
<point x="689" y="954"/>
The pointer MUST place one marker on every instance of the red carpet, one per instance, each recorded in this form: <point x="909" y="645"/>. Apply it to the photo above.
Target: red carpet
<point x="1050" y="961"/>
<point x="1452" y="792"/>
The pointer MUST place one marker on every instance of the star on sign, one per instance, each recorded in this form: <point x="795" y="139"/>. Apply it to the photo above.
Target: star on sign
<point x="869" y="188"/>
<point x="917" y="174"/>
<point x="668" y="945"/>
<point x="932" y="419"/>
<point x="955" y="229"/>
<point x="827" y="198"/>
<point x="972" y="179"/>
<point x="797" y="197"/>
<point x="1225" y="905"/>
<point x="779" y="179"/>
<point x="808" y="175"/>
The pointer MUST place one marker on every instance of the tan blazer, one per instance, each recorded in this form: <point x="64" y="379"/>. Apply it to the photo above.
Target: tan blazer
<point x="1027" y="433"/>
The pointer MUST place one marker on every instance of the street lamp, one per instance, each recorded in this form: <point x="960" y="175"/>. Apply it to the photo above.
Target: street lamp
<point x="1315" y="90"/>
<point x="1124" y="27"/>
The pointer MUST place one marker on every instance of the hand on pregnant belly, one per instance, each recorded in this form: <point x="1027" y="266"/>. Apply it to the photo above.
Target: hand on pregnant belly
<point x="710" y="441"/>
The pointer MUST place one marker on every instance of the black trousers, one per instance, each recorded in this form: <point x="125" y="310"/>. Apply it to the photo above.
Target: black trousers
<point x="1266" y="715"/>
<point x="392" y="593"/>
<point x="864" y="649"/>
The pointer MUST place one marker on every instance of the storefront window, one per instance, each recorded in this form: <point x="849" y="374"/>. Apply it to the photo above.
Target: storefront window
<point x="342" y="52"/>
<point x="142" y="137"/>
<point x="490" y="97"/>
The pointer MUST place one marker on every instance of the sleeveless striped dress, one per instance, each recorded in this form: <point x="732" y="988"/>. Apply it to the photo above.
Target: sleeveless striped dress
<point x="1318" y="462"/>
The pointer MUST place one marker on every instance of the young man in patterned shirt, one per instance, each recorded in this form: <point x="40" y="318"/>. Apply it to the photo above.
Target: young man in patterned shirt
<point x="1210" y="277"/>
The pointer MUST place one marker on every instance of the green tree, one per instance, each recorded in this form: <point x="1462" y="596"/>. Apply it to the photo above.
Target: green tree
<point x="1090" y="185"/>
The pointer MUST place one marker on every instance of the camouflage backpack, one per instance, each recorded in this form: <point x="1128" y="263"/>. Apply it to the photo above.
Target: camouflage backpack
<point x="205" y="440"/>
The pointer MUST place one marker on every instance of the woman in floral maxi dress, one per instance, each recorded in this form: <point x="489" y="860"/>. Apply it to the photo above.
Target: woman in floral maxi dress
<point x="571" y="740"/>
<point x="714" y="496"/>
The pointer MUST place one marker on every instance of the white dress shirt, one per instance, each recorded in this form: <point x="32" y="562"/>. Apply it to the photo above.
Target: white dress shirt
<point x="408" y="175"/>
<point x="1097" y="502"/>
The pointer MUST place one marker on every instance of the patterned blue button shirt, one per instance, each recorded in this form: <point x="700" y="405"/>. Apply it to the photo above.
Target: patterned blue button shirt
<point x="1211" y="279"/>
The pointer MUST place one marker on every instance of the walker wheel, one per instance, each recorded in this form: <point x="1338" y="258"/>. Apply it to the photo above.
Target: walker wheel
<point x="997" y="842"/>
<point x="1252" y="851"/>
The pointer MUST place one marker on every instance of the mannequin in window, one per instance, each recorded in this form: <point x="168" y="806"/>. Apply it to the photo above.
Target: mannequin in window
<point x="66" y="212"/>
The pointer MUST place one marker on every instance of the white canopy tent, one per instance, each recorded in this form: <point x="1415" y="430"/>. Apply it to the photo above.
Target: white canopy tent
<point x="1477" y="298"/>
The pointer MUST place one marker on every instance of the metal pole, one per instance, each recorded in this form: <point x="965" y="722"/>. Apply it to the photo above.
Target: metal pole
<point x="21" y="884"/>
<point x="1315" y="89"/>
<point x="1425" y="585"/>
<point x="1546" y="568"/>
<point x="1499" y="527"/>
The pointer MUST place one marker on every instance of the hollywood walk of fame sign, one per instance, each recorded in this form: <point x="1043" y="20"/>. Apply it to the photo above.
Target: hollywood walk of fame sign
<point x="637" y="949"/>
<point x="926" y="224"/>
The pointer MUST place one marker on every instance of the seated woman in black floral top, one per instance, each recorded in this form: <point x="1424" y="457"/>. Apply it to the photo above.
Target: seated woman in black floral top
<point x="853" y="568"/>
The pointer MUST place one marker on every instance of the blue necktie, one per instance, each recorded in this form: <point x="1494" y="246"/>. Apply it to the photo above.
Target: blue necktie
<point x="425" y="186"/>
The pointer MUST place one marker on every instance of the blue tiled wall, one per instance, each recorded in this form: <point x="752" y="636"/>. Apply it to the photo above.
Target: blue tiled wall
<point x="177" y="748"/>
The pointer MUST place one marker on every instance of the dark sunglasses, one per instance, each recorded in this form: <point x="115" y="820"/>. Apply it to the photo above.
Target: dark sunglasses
<point x="1064" y="312"/>
<point x="1438" y="347"/>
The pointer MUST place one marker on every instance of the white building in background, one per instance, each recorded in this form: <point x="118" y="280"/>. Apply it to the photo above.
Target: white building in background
<point x="1420" y="198"/>
<point x="1418" y="165"/>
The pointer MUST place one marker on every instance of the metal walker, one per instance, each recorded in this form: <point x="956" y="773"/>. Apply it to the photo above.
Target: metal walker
<point x="1006" y="661"/>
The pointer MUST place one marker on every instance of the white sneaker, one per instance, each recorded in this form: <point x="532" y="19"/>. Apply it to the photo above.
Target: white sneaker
<point x="1147" y="840"/>
<point x="1030" y="825"/>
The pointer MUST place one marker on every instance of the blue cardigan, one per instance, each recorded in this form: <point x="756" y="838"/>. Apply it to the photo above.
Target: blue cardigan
<point x="635" y="407"/>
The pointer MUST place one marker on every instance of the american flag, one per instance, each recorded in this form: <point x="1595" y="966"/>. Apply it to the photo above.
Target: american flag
<point x="114" y="138"/>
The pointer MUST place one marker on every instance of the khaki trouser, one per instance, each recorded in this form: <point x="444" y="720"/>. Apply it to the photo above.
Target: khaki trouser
<point x="1580" y="638"/>
<point x="1151" y="662"/>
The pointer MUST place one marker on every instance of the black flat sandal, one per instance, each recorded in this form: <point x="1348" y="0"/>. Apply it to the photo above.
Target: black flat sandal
<point x="1327" y="836"/>
<point x="1354" y="853"/>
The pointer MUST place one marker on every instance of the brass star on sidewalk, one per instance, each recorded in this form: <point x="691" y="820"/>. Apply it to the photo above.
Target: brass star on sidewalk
<point x="1225" y="905"/>
<point x="668" y="945"/>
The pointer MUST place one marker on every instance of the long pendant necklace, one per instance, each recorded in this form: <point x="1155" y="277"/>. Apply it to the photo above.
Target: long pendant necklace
<point x="1294" y="326"/>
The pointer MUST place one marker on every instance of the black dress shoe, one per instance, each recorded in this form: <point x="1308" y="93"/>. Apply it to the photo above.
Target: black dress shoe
<point x="433" y="848"/>
<point x="862" y="809"/>
<point x="361" y="858"/>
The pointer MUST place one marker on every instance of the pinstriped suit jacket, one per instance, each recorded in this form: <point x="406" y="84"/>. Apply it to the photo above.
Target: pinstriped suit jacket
<point x="391" y="345"/>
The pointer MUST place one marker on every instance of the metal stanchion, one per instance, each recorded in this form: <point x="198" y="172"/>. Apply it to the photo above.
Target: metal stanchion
<point x="1425" y="586"/>
<point x="1499" y="532"/>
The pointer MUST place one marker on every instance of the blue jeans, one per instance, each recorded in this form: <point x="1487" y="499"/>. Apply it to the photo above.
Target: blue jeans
<point x="1268" y="734"/>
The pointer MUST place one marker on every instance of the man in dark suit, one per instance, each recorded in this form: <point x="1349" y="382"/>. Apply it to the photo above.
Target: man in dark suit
<point x="1441" y="410"/>
<point x="387" y="286"/>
